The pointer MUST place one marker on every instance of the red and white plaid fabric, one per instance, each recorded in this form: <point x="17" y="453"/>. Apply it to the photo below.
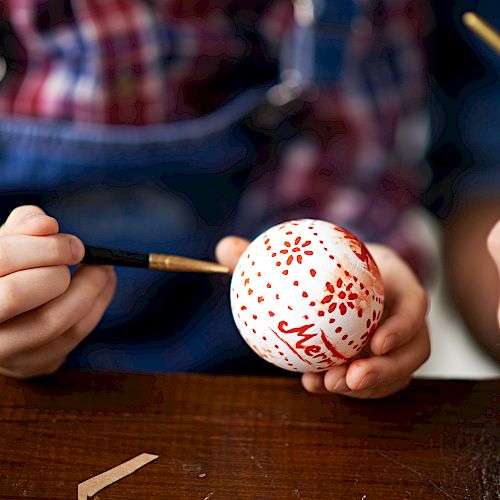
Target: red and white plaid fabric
<point x="119" y="61"/>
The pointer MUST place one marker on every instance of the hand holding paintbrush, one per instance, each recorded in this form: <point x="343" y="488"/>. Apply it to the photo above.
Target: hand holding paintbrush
<point x="45" y="312"/>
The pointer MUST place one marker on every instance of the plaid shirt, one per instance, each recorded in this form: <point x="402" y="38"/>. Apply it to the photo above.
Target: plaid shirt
<point x="352" y="153"/>
<point x="126" y="61"/>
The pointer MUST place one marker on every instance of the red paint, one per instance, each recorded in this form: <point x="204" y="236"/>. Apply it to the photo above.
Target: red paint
<point x="341" y="294"/>
<point x="331" y="348"/>
<point x="291" y="348"/>
<point x="305" y="337"/>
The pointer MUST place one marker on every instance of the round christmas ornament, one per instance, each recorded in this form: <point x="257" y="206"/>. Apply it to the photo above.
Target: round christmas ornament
<point x="306" y="295"/>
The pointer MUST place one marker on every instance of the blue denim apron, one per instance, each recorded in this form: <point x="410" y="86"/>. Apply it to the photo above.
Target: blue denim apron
<point x="168" y="188"/>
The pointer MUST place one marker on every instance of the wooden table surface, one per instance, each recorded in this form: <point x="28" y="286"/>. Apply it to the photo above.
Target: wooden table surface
<point x="224" y="437"/>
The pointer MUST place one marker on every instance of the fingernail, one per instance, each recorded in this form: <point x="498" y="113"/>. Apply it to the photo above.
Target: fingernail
<point x="77" y="249"/>
<point x="369" y="381"/>
<point x="389" y="343"/>
<point x="341" y="386"/>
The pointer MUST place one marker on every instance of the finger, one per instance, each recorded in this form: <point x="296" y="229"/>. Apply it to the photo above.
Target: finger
<point x="313" y="382"/>
<point x="406" y="303"/>
<point x="19" y="252"/>
<point x="380" y="391"/>
<point x="71" y="338"/>
<point x="398" y="365"/>
<point x="44" y="324"/>
<point x="31" y="371"/>
<point x="31" y="288"/>
<point x="335" y="379"/>
<point x="49" y="357"/>
<point x="493" y="243"/>
<point x="229" y="250"/>
<point x="31" y="220"/>
<point x="404" y="320"/>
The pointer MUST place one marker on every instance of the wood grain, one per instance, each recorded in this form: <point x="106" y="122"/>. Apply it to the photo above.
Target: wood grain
<point x="225" y="437"/>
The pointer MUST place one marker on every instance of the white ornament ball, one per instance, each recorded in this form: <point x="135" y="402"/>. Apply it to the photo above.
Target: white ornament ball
<point x="306" y="295"/>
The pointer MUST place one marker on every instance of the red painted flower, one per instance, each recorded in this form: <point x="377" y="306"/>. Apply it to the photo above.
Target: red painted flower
<point x="296" y="250"/>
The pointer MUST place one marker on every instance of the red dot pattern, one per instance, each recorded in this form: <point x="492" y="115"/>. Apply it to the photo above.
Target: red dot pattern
<point x="308" y="251"/>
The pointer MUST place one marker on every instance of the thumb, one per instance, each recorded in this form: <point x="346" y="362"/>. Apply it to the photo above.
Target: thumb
<point x="229" y="250"/>
<point x="29" y="220"/>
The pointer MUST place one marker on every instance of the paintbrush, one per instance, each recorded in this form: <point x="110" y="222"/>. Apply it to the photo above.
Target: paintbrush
<point x="483" y="30"/>
<point x="155" y="261"/>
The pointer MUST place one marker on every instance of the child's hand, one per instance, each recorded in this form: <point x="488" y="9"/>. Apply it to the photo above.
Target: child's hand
<point x="399" y="345"/>
<point x="44" y="313"/>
